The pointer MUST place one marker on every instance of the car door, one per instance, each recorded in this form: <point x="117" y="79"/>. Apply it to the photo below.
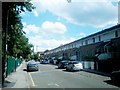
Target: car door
<point x="70" y="65"/>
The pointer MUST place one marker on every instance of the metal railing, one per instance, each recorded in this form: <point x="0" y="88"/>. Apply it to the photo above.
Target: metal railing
<point x="11" y="65"/>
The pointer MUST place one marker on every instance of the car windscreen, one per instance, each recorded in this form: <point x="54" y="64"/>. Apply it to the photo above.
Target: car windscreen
<point x="63" y="61"/>
<point x="75" y="62"/>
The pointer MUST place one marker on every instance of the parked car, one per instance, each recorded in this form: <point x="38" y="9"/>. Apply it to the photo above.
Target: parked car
<point x="62" y="64"/>
<point x="44" y="61"/>
<point x="115" y="76"/>
<point x="32" y="65"/>
<point x="58" y="61"/>
<point x="74" y="66"/>
<point x="54" y="62"/>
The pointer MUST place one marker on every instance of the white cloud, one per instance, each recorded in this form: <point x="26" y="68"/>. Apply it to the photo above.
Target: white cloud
<point x="30" y="28"/>
<point x="82" y="34"/>
<point x="87" y="12"/>
<point x="44" y="36"/>
<point x="36" y="13"/>
<point x="24" y="24"/>
<point x="22" y="13"/>
<point x="44" y="44"/>
<point x="56" y="27"/>
<point x="47" y="27"/>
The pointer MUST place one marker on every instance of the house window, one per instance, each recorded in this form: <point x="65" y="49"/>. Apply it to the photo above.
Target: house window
<point x="86" y="42"/>
<point x="76" y="53"/>
<point x="116" y="33"/>
<point x="99" y="38"/>
<point x="82" y="43"/>
<point x="75" y="45"/>
<point x="93" y="40"/>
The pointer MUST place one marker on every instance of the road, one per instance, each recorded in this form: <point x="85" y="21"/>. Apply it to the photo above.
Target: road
<point x="49" y="76"/>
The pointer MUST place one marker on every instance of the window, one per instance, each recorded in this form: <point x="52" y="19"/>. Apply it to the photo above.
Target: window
<point x="99" y="38"/>
<point x="76" y="53"/>
<point x="93" y="40"/>
<point x="86" y="42"/>
<point x="82" y="43"/>
<point x="75" y="45"/>
<point x="116" y="33"/>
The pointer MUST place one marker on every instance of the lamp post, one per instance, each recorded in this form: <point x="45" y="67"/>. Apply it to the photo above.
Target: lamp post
<point x="32" y="54"/>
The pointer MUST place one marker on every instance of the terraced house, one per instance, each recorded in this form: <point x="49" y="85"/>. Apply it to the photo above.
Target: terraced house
<point x="99" y="51"/>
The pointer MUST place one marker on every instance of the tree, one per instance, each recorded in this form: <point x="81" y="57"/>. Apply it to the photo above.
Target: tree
<point x="12" y="33"/>
<point x="13" y="26"/>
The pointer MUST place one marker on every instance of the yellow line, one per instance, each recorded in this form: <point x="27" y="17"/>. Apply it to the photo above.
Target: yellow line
<point x="32" y="80"/>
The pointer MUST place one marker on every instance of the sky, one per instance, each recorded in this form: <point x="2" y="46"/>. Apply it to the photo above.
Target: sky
<point x="58" y="22"/>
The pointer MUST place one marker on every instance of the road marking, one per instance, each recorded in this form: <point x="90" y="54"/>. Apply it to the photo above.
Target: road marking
<point x="32" y="80"/>
<point x="52" y="84"/>
<point x="57" y="85"/>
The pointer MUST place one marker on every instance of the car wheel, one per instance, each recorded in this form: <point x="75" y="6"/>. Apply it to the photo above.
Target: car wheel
<point x="66" y="69"/>
<point x="113" y="78"/>
<point x="27" y="69"/>
<point x="71" y="69"/>
<point x="58" y="66"/>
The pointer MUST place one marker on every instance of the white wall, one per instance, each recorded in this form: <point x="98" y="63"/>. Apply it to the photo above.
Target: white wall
<point x="88" y="64"/>
<point x="84" y="42"/>
<point x="79" y="43"/>
<point x="104" y="37"/>
<point x="90" y="41"/>
<point x="97" y="39"/>
<point x="118" y="32"/>
<point x="107" y="36"/>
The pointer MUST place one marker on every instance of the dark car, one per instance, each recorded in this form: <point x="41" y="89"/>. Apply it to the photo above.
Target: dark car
<point x="115" y="76"/>
<point x="62" y="64"/>
<point x="44" y="61"/>
<point x="32" y="65"/>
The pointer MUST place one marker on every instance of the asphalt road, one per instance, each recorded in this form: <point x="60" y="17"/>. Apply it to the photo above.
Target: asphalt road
<point x="49" y="76"/>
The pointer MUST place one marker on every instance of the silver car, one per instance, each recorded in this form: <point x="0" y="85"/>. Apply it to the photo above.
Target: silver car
<point x="74" y="66"/>
<point x="32" y="65"/>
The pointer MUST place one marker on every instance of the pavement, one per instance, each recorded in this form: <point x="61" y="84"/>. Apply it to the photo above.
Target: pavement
<point x="97" y="72"/>
<point x="17" y="79"/>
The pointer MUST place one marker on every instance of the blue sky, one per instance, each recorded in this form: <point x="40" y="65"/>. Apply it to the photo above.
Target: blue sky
<point x="57" y="22"/>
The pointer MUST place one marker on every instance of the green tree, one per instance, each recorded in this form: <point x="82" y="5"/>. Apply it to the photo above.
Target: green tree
<point x="12" y="33"/>
<point x="35" y="56"/>
<point x="17" y="43"/>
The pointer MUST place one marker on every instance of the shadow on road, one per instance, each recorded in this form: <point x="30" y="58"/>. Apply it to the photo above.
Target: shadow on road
<point x="59" y="68"/>
<point x="8" y="84"/>
<point x="24" y="69"/>
<point x="29" y="70"/>
<point x="70" y="71"/>
<point x="112" y="83"/>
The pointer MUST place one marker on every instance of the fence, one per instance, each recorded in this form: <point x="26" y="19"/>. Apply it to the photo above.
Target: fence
<point x="11" y="65"/>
